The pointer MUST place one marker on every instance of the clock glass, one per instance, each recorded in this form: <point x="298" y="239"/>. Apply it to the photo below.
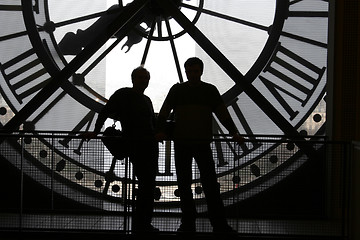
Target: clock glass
<point x="268" y="59"/>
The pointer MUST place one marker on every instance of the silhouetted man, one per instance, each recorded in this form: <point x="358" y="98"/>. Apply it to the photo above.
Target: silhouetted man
<point x="135" y="112"/>
<point x="193" y="103"/>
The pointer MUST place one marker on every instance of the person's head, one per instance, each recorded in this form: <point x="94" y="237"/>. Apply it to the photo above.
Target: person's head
<point x="140" y="78"/>
<point x="194" y="68"/>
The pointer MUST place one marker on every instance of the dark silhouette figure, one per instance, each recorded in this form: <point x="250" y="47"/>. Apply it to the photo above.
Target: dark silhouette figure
<point x="135" y="112"/>
<point x="193" y="103"/>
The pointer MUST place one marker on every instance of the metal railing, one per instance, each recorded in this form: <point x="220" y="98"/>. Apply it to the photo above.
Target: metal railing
<point x="270" y="185"/>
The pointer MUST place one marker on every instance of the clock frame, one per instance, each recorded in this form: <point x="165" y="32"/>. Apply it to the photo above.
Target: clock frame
<point x="43" y="78"/>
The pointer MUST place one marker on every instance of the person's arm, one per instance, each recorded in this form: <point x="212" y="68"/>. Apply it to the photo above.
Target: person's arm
<point x="161" y="122"/>
<point x="163" y="116"/>
<point x="103" y="115"/>
<point x="98" y="125"/>
<point x="225" y="118"/>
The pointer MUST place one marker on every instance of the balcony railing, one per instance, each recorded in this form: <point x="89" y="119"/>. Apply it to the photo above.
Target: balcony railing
<point x="270" y="185"/>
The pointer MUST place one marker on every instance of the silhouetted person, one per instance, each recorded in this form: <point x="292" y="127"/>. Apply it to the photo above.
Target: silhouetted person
<point x="135" y="112"/>
<point x="193" y="103"/>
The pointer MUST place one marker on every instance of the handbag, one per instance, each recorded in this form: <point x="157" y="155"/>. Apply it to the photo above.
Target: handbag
<point x="115" y="142"/>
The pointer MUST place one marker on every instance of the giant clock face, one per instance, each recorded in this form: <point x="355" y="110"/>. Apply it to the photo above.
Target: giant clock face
<point x="61" y="60"/>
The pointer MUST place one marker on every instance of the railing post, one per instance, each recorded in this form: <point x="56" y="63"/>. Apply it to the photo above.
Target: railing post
<point x="52" y="172"/>
<point x="347" y="184"/>
<point x="233" y="183"/>
<point x="354" y="192"/>
<point x="124" y="193"/>
<point x="21" y="184"/>
<point x="131" y="169"/>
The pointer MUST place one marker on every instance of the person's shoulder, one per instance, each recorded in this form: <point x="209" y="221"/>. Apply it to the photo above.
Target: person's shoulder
<point x="147" y="97"/>
<point x="181" y="85"/>
<point x="176" y="86"/>
<point x="210" y="88"/>
<point x="121" y="92"/>
<point x="124" y="90"/>
<point x="207" y="84"/>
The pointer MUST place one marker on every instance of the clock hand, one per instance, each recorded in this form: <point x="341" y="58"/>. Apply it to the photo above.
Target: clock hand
<point x="112" y="10"/>
<point x="176" y="58"/>
<point x="236" y="75"/>
<point x="122" y="24"/>
<point x="159" y="26"/>
<point x="71" y="21"/>
<point x="81" y="76"/>
<point x="147" y="47"/>
<point x="101" y="57"/>
<point x="51" y="26"/>
<point x="226" y="17"/>
<point x="72" y="43"/>
<point x="133" y="38"/>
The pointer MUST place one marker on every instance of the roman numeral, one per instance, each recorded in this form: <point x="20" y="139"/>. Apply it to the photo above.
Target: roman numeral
<point x="48" y="107"/>
<point x="304" y="79"/>
<point x="239" y="120"/>
<point x="84" y="122"/>
<point x="297" y="11"/>
<point x="304" y="13"/>
<point x="4" y="7"/>
<point x="219" y="148"/>
<point x="13" y="35"/>
<point x="27" y="79"/>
